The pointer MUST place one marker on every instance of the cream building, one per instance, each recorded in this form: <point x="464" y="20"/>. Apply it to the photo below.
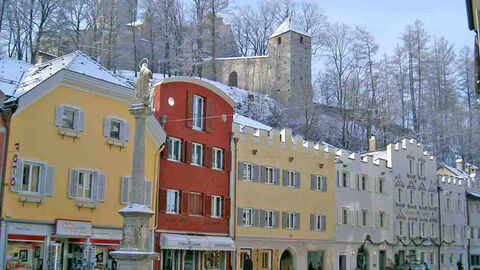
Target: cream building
<point x="364" y="232"/>
<point x="284" y="200"/>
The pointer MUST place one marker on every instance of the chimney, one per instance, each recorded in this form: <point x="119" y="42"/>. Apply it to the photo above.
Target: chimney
<point x="42" y="57"/>
<point x="459" y="164"/>
<point x="372" y="144"/>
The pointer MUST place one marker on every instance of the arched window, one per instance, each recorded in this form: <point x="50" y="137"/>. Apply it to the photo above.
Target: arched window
<point x="233" y="79"/>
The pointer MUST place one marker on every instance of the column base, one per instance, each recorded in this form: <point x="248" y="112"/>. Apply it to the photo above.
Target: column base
<point x="134" y="260"/>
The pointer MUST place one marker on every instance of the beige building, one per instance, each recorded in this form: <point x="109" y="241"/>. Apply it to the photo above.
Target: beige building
<point x="284" y="74"/>
<point x="284" y="200"/>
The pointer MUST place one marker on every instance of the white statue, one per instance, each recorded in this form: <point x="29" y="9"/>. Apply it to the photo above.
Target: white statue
<point x="142" y="86"/>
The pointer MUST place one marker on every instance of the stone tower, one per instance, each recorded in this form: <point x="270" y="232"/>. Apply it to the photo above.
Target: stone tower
<point x="290" y="56"/>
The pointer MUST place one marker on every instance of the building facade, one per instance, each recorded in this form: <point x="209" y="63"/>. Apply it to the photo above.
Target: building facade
<point x="284" y="200"/>
<point x="364" y="233"/>
<point x="194" y="191"/>
<point x="284" y="74"/>
<point x="68" y="157"/>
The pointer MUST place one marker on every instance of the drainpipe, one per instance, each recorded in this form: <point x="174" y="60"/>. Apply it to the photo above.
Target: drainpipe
<point x="439" y="189"/>
<point x="157" y="199"/>
<point x="233" y="197"/>
<point x="465" y="231"/>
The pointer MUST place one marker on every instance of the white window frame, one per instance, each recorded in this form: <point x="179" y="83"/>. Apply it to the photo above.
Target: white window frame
<point x="400" y="228"/>
<point x="364" y="218"/>
<point x="345" y="216"/>
<point x="421" y="169"/>
<point x="248" y="171"/>
<point x="344" y="179"/>
<point x="363" y="185"/>
<point x="319" y="183"/>
<point x="411" y="166"/>
<point x="174" y="143"/>
<point x="400" y="195"/>
<point x="91" y="184"/>
<point x="198" y="113"/>
<point x="382" y="219"/>
<point x="197" y="154"/>
<point x="247" y="217"/>
<point x="291" y="220"/>
<point x="217" y="161"/>
<point x="291" y="178"/>
<point x="41" y="166"/>
<point x="381" y="185"/>
<point x="269" y="218"/>
<point x="176" y="206"/>
<point x="216" y="204"/>
<point x="269" y="266"/>
<point x="76" y="114"/>
<point x="318" y="223"/>
<point x="120" y="128"/>
<point x="411" y="197"/>
<point x="270" y="175"/>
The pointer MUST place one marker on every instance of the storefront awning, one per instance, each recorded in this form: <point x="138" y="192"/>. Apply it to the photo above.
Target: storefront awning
<point x="188" y="242"/>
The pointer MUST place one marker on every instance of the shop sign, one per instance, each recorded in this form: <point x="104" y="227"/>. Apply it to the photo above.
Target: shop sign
<point x="73" y="228"/>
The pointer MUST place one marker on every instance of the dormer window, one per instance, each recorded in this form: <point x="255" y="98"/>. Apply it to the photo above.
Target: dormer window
<point x="279" y="40"/>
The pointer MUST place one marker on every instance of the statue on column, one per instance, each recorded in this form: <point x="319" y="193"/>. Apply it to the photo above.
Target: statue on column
<point x="142" y="87"/>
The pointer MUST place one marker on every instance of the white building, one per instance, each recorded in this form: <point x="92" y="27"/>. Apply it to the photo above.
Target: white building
<point x="415" y="202"/>
<point x="364" y="232"/>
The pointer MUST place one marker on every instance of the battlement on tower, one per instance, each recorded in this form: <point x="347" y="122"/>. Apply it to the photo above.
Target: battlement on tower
<point x="411" y="145"/>
<point x="343" y="154"/>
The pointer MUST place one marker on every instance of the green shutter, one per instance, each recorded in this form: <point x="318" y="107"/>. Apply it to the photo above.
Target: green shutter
<point x="72" y="183"/>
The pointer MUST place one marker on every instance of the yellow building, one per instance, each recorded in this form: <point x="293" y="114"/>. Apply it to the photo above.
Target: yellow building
<point x="68" y="160"/>
<point x="284" y="200"/>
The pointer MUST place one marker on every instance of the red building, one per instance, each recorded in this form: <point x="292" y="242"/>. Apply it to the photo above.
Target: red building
<point x="192" y="230"/>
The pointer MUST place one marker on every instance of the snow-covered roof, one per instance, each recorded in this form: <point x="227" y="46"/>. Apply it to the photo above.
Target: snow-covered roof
<point x="138" y="22"/>
<point x="382" y="154"/>
<point x="244" y="121"/>
<point x="77" y="62"/>
<point x="288" y="25"/>
<point x="456" y="171"/>
<point x="12" y="72"/>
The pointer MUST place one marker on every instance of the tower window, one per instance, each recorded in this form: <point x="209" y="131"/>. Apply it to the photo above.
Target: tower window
<point x="279" y="40"/>
<point x="301" y="40"/>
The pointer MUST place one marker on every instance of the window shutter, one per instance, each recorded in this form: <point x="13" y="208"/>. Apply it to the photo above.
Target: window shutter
<point x="323" y="222"/>
<point x="162" y="204"/>
<point x="207" y="161"/>
<point x="102" y="187"/>
<point x="255" y="172"/>
<point x="58" y="116"/>
<point x="125" y="132"/>
<point x="263" y="174"/>
<point x="255" y="218"/>
<point x="284" y="220"/>
<point x="49" y="182"/>
<point x="241" y="167"/>
<point x="95" y="186"/>
<point x="208" y="115"/>
<point x="189" y="112"/>
<point x="227" y="204"/>
<point x="284" y="177"/>
<point x="297" y="180"/>
<point x="18" y="177"/>
<point x="148" y="192"/>
<point x="277" y="176"/>
<point x="207" y="202"/>
<point x="340" y="216"/>
<point x="227" y="160"/>
<point x="358" y="182"/>
<point x="107" y="121"/>
<point x="337" y="176"/>
<point x="81" y="121"/>
<point x="312" y="222"/>
<point x="377" y="219"/>
<point x="125" y="196"/>
<point x="263" y="216"/>
<point x="324" y="182"/>
<point x="73" y="181"/>
<point x="188" y="152"/>
<point x="240" y="216"/>
<point x="297" y="221"/>
<point x="276" y="221"/>
<point x="313" y="182"/>
<point x="184" y="205"/>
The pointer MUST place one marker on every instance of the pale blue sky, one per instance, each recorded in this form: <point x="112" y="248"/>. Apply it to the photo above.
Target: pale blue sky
<point x="386" y="19"/>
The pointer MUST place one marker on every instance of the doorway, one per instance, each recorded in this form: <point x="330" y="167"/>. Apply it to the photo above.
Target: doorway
<point x="190" y="260"/>
<point x="342" y="262"/>
<point x="382" y="260"/>
<point x="286" y="261"/>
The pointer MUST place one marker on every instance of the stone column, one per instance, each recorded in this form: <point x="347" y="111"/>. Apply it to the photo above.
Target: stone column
<point x="135" y="253"/>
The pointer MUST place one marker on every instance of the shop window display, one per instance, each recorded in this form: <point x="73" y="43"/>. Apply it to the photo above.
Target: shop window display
<point x="214" y="260"/>
<point x="24" y="255"/>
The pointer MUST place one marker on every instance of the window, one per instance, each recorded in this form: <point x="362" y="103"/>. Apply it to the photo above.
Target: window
<point x="266" y="257"/>
<point x="247" y="171"/>
<point x="412" y="228"/>
<point x="217" y="158"/>
<point x="412" y="197"/>
<point x="319" y="222"/>
<point x="364" y="218"/>
<point x="194" y="203"/>
<point x="399" y="195"/>
<point x="432" y="257"/>
<point x="279" y="40"/>
<point x="400" y="228"/>
<point x="31" y="177"/>
<point x="432" y="199"/>
<point x="84" y="185"/>
<point x="270" y="175"/>
<point x="173" y="201"/>
<point x="459" y="206"/>
<point x="423" y="229"/>
<point x="411" y="166"/>
<point x="344" y="182"/>
<point x="363" y="182"/>
<point x="198" y="112"/>
<point x="454" y="232"/>
<point x="451" y="258"/>
<point x="301" y="40"/>
<point x="381" y="185"/>
<point x="448" y="205"/>
<point x="344" y="216"/>
<point x="216" y="206"/>
<point x="291" y="220"/>
<point x="174" y="149"/>
<point x="269" y="218"/>
<point x="381" y="217"/>
<point x="68" y="118"/>
<point x="115" y="129"/>
<point x="442" y="258"/>
<point x="320" y="183"/>
<point x="422" y="198"/>
<point x="444" y="230"/>
<point x="197" y="154"/>
<point x="247" y="216"/>
<point x="421" y="169"/>
<point x="290" y="178"/>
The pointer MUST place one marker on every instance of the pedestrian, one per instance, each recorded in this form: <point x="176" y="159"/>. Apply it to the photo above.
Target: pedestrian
<point x="407" y="265"/>
<point x="427" y="266"/>
<point x="247" y="263"/>
<point x="459" y="265"/>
